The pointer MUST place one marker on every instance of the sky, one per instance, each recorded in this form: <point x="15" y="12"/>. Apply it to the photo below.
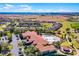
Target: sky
<point x="39" y="7"/>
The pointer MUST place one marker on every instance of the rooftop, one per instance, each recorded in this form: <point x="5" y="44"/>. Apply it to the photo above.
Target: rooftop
<point x="39" y="42"/>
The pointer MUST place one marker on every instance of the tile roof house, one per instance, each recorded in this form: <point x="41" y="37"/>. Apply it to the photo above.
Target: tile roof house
<point x="39" y="42"/>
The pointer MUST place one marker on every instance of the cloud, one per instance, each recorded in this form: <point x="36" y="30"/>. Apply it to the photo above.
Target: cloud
<point x="15" y="8"/>
<point x="63" y="10"/>
<point x="8" y="6"/>
<point x="42" y="10"/>
<point x="24" y="8"/>
<point x="51" y="10"/>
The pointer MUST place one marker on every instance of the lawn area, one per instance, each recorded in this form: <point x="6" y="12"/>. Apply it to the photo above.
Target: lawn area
<point x="68" y="45"/>
<point x="65" y="43"/>
<point x="47" y="25"/>
<point x="74" y="25"/>
<point x="1" y="29"/>
<point x="75" y="43"/>
<point x="66" y="25"/>
<point x="10" y="46"/>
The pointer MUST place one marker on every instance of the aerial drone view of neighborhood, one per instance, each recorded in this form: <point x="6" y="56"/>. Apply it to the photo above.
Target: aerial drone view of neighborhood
<point x="39" y="29"/>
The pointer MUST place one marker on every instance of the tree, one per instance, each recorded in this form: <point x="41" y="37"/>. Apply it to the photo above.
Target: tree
<point x="0" y="48"/>
<point x="9" y="54"/>
<point x="9" y="35"/>
<point x="16" y="31"/>
<point x="12" y="29"/>
<point x="57" y="44"/>
<point x="1" y="34"/>
<point x="31" y="51"/>
<point x="5" y="48"/>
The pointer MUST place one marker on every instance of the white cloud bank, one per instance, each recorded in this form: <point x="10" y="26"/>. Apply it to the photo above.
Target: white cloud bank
<point x="24" y="8"/>
<point x="7" y="6"/>
<point x="27" y="8"/>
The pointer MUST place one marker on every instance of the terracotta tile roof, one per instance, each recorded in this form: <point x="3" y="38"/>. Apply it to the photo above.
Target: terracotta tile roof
<point x="39" y="41"/>
<point x="45" y="48"/>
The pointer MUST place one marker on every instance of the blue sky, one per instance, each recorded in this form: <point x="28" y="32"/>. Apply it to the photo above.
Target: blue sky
<point x="39" y="7"/>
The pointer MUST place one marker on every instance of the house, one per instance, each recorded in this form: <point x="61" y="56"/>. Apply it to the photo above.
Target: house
<point x="56" y="26"/>
<point x="4" y="39"/>
<point x="39" y="42"/>
<point x="30" y="24"/>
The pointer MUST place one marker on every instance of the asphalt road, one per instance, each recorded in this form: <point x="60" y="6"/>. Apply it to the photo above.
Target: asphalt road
<point x="15" y="49"/>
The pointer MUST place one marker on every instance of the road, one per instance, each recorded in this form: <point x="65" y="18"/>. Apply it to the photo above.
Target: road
<point x="15" y="49"/>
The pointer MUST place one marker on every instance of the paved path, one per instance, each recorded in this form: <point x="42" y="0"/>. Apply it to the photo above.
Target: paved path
<point x="15" y="49"/>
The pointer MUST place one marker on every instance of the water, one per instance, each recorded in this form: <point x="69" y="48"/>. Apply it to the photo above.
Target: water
<point x="42" y="13"/>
